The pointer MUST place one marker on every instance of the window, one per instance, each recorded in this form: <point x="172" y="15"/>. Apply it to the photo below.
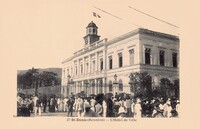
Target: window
<point x="110" y="86"/>
<point x="110" y="62"/>
<point x="101" y="64"/>
<point x="147" y="56"/>
<point x="120" y="85"/>
<point x="162" y="57"/>
<point x="131" y="55"/>
<point x="81" y="67"/>
<point x="94" y="31"/>
<point x="93" y="86"/>
<point x="93" y="66"/>
<point x="76" y="71"/>
<point x="87" y="68"/>
<point x="100" y="86"/>
<point x="90" y="30"/>
<point x="120" y="59"/>
<point x="67" y="71"/>
<point x="174" y="59"/>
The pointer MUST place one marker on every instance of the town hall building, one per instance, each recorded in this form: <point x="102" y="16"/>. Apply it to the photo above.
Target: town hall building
<point x="103" y="63"/>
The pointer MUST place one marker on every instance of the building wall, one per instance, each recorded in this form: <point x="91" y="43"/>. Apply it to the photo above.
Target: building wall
<point x="104" y="49"/>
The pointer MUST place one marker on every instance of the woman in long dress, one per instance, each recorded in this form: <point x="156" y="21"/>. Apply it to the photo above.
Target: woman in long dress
<point x="137" y="110"/>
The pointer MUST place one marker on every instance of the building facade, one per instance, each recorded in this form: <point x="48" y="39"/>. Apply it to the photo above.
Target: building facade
<point x="104" y="66"/>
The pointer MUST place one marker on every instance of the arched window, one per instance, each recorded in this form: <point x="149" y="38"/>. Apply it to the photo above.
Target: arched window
<point x="92" y="86"/>
<point x="120" y="85"/>
<point x="110" y="86"/>
<point x="100" y="86"/>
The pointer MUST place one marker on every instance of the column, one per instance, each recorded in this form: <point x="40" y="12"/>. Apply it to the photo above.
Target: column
<point x="74" y="71"/>
<point x="83" y="65"/>
<point x="89" y="64"/>
<point x="78" y="67"/>
<point x="104" y="85"/>
<point x="96" y="62"/>
<point x="168" y="57"/>
<point x="142" y="54"/>
<point x="104" y="60"/>
<point x="95" y="86"/>
<point x="79" y="87"/>
<point x="75" y="88"/>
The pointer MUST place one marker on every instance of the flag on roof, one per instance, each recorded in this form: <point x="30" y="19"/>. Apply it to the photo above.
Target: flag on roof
<point x="96" y="15"/>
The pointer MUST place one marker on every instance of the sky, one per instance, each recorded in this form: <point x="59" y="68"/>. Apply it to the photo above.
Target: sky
<point x="42" y="33"/>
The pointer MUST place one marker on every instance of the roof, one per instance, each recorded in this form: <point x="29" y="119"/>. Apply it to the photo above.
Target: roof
<point x="145" y="32"/>
<point x="92" y="24"/>
<point x="125" y="36"/>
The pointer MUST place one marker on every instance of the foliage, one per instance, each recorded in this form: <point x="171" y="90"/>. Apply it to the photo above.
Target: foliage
<point x="33" y="78"/>
<point x="168" y="88"/>
<point x="177" y="88"/>
<point x="142" y="84"/>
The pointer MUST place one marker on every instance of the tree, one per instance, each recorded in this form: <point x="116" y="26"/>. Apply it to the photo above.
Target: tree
<point x="177" y="88"/>
<point x="32" y="79"/>
<point x="46" y="78"/>
<point x="142" y="84"/>
<point x="166" y="87"/>
<point x="156" y="92"/>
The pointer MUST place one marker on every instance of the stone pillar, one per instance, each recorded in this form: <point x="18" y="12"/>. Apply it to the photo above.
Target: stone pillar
<point x="83" y="65"/>
<point x="138" y="57"/>
<point x="104" y="85"/>
<point x="96" y="62"/>
<point x="78" y="67"/>
<point x="89" y="64"/>
<point x="143" y="54"/>
<point x="78" y="87"/>
<point x="95" y="86"/>
<point x="104" y="60"/>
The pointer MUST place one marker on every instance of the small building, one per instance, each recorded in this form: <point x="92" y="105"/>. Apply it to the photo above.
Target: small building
<point x="94" y="68"/>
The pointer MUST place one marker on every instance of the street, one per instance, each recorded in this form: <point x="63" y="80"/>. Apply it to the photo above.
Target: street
<point x="60" y="114"/>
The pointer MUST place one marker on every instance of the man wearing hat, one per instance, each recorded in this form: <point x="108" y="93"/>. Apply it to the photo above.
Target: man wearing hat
<point x="70" y="104"/>
<point x="88" y="112"/>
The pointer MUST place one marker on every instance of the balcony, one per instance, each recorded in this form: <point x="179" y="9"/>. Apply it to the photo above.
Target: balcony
<point x="91" y="47"/>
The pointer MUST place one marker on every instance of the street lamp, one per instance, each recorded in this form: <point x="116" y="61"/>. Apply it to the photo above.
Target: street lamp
<point x="115" y="84"/>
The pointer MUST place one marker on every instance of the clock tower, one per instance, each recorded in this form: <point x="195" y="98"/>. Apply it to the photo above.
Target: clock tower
<point x="91" y="34"/>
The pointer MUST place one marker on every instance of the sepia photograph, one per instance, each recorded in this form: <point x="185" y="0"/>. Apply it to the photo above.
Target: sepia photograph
<point x="133" y="72"/>
<point x="98" y="61"/>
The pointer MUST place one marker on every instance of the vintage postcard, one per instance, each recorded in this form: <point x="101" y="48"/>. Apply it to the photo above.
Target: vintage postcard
<point x="98" y="62"/>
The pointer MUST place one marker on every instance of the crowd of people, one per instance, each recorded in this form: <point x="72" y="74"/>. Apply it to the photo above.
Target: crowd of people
<point x="95" y="106"/>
